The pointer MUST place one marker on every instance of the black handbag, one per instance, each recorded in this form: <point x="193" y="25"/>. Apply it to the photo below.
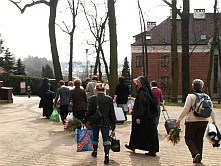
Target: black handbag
<point x="115" y="143"/>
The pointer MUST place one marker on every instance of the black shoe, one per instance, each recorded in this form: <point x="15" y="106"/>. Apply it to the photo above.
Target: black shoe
<point x="106" y="159"/>
<point x="128" y="147"/>
<point x="94" y="154"/>
<point x="151" y="154"/>
<point x="48" y="117"/>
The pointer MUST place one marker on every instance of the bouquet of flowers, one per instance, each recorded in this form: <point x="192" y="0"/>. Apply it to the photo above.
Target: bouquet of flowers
<point x="174" y="135"/>
<point x="73" y="124"/>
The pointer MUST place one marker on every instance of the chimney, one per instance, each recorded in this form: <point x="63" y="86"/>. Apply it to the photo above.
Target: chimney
<point x="150" y="25"/>
<point x="199" y="14"/>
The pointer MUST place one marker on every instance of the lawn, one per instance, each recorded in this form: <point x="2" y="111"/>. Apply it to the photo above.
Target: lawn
<point x="215" y="105"/>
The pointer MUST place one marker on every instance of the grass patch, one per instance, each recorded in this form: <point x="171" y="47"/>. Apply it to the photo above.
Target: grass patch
<point x="215" y="105"/>
<point x="174" y="104"/>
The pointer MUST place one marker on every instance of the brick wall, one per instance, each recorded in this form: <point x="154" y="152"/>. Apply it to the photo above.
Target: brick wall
<point x="199" y="65"/>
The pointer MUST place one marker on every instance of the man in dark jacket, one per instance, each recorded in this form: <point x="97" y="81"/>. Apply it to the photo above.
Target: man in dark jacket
<point x="121" y="95"/>
<point x="104" y="103"/>
<point x="64" y="93"/>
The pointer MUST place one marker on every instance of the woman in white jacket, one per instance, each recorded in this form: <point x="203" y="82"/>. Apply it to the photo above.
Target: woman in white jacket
<point x="194" y="126"/>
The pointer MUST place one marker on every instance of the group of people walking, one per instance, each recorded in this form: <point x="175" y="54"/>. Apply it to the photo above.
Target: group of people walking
<point x="145" y="113"/>
<point x="85" y="103"/>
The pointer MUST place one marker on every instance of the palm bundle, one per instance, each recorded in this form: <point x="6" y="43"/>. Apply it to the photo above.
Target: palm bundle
<point x="174" y="135"/>
<point x="73" y="124"/>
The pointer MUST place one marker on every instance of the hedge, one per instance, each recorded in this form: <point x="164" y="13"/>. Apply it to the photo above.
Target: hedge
<point x="14" y="81"/>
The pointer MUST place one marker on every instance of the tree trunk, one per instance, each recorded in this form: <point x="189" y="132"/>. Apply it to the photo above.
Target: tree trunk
<point x="174" y="55"/>
<point x="52" y="36"/>
<point x="113" y="47"/>
<point x="215" y="40"/>
<point x="71" y="57"/>
<point x="185" y="50"/>
<point x="105" y="64"/>
<point x="54" y="51"/>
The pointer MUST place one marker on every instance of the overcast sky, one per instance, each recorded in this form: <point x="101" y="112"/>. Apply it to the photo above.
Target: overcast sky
<point x="27" y="34"/>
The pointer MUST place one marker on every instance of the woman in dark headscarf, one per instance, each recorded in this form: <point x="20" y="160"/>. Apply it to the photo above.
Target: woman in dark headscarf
<point x="46" y="102"/>
<point x="144" y="134"/>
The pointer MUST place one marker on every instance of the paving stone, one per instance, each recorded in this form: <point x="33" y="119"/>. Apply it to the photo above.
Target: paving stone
<point x="28" y="139"/>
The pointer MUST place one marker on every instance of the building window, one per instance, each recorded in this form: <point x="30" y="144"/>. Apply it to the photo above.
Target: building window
<point x="139" y="61"/>
<point x="165" y="61"/>
<point x="203" y="37"/>
<point x="215" y="74"/>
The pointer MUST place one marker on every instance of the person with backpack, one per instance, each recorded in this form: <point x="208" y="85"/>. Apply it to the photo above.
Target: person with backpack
<point x="198" y="110"/>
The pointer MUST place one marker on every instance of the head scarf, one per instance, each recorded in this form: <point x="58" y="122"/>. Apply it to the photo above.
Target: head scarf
<point x="147" y="89"/>
<point x="45" y="84"/>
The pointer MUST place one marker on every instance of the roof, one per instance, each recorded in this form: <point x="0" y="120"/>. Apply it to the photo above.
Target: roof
<point x="200" y="31"/>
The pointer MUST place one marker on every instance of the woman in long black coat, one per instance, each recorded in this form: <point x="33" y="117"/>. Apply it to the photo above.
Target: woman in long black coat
<point x="46" y="102"/>
<point x="144" y="134"/>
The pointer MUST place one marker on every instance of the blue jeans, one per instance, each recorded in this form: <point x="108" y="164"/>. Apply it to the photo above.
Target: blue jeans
<point x="104" y="133"/>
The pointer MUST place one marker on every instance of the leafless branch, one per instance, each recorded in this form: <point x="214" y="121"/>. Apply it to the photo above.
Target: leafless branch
<point x="29" y="5"/>
<point x="170" y="5"/>
<point x="65" y="31"/>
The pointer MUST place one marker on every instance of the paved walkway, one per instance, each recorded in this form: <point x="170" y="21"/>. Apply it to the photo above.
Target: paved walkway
<point x="27" y="139"/>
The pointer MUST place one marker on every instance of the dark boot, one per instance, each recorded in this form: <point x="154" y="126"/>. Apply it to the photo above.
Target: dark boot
<point x="106" y="151"/>
<point x="94" y="153"/>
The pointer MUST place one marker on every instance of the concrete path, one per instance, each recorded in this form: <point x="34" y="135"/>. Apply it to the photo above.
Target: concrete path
<point x="28" y="139"/>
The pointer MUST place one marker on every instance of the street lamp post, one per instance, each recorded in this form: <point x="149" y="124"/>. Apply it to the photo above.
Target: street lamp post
<point x="91" y="66"/>
<point x="87" y="62"/>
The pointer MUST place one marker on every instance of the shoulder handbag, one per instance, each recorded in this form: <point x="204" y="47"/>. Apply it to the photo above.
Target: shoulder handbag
<point x="115" y="143"/>
<point x="97" y="115"/>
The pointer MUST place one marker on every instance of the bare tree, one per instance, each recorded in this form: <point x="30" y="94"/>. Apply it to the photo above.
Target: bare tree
<point x="185" y="47"/>
<point x="53" y="9"/>
<point x="174" y="54"/>
<point x="70" y="31"/>
<point x="185" y="50"/>
<point x="97" y="28"/>
<point x="215" y="44"/>
<point x="144" y="42"/>
<point x="113" y="46"/>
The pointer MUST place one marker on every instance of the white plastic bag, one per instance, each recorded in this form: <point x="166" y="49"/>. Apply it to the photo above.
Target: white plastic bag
<point x="70" y="116"/>
<point x="130" y="104"/>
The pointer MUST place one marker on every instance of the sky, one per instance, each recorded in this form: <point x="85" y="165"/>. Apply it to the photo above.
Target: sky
<point x="27" y="34"/>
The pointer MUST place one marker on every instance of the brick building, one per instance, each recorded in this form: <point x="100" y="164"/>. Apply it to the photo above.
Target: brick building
<point x="158" y="39"/>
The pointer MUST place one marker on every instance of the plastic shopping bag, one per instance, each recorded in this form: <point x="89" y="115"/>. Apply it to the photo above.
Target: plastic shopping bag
<point x="55" y="116"/>
<point x="70" y="116"/>
<point x="84" y="140"/>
